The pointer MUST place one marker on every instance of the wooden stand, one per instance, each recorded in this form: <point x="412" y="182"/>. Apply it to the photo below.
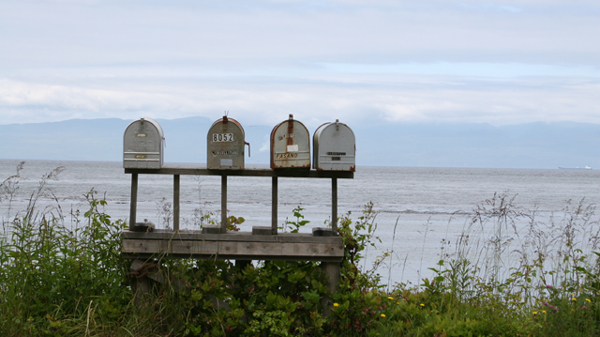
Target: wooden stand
<point x="323" y="245"/>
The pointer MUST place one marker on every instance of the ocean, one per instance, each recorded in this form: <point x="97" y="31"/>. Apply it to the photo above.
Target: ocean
<point x="419" y="210"/>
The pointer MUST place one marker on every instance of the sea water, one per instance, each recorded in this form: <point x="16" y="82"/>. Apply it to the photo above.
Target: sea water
<point x="417" y="209"/>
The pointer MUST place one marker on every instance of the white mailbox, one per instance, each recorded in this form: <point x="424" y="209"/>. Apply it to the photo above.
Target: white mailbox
<point x="143" y="144"/>
<point x="290" y="145"/>
<point x="225" y="145"/>
<point x="334" y="148"/>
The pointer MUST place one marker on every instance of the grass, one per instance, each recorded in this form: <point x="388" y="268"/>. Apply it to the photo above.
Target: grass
<point x="64" y="276"/>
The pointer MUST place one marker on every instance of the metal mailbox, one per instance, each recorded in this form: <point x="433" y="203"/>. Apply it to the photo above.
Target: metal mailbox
<point x="143" y="144"/>
<point x="334" y="148"/>
<point x="225" y="145"/>
<point x="290" y="145"/>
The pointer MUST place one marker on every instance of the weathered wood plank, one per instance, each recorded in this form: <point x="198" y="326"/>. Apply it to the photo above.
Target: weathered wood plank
<point x="235" y="250"/>
<point x="246" y="172"/>
<point x="162" y="234"/>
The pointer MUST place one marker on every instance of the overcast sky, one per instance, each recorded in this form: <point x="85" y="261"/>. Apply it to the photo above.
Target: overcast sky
<point x="500" y="62"/>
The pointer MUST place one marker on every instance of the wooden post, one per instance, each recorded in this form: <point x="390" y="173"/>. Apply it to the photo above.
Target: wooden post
<point x="332" y="273"/>
<point x="133" y="205"/>
<point x="274" y="204"/>
<point x="224" y="204"/>
<point x="140" y="286"/>
<point x="334" y="201"/>
<point x="176" y="184"/>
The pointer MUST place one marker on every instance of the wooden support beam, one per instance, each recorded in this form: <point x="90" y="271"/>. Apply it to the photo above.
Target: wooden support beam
<point x="133" y="205"/>
<point x="332" y="272"/>
<point x="334" y="202"/>
<point x="223" y="204"/>
<point x="293" y="247"/>
<point x="244" y="173"/>
<point x="176" y="184"/>
<point x="198" y="235"/>
<point x="274" y="205"/>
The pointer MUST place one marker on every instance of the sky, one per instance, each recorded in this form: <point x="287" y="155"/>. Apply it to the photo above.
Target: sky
<point x="498" y="62"/>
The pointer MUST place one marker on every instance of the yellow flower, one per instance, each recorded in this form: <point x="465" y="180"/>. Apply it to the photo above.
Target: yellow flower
<point x="336" y="305"/>
<point x="422" y="304"/>
<point x="588" y="300"/>
<point x="382" y="315"/>
<point x="391" y="298"/>
<point x="574" y="299"/>
<point x="535" y="312"/>
<point x="544" y="311"/>
<point x="397" y="302"/>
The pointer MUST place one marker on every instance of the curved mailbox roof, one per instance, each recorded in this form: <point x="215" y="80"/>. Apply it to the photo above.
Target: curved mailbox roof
<point x="143" y="144"/>
<point x="225" y="145"/>
<point x="334" y="148"/>
<point x="290" y="145"/>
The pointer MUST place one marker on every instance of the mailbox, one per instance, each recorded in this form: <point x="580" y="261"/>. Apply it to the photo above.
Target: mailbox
<point x="143" y="144"/>
<point x="334" y="148"/>
<point x="225" y="145"/>
<point x="290" y="145"/>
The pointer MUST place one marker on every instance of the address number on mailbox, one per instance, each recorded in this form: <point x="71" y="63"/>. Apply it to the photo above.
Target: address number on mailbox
<point x="222" y="137"/>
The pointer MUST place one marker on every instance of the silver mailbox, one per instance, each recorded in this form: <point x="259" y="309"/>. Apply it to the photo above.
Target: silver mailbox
<point x="143" y="144"/>
<point x="334" y="148"/>
<point x="290" y="145"/>
<point x="225" y="145"/>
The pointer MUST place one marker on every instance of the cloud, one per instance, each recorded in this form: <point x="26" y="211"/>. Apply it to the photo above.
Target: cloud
<point x="501" y="61"/>
<point x="317" y="100"/>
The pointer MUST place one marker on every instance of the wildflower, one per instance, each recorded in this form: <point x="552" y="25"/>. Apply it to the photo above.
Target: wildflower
<point x="584" y="307"/>
<point x="548" y="286"/>
<point x="587" y="300"/>
<point x="551" y="306"/>
<point x="574" y="299"/>
<point x="390" y="298"/>
<point x="397" y="302"/>
<point x="544" y="311"/>
<point x="535" y="312"/>
<point x="572" y="294"/>
<point x="382" y="315"/>
<point x="336" y="305"/>
<point x="422" y="304"/>
<point x="545" y="303"/>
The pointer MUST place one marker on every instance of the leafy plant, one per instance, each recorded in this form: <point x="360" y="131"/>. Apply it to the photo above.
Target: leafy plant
<point x="295" y="226"/>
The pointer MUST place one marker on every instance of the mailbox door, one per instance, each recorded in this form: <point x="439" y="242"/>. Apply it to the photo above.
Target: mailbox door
<point x="143" y="144"/>
<point x="334" y="148"/>
<point x="290" y="145"/>
<point x="225" y="142"/>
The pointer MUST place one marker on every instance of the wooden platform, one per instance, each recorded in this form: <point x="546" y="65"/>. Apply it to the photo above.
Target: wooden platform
<point x="263" y="243"/>
<point x="232" y="246"/>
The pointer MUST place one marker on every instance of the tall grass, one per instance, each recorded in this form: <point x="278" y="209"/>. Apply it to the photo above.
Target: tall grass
<point x="52" y="272"/>
<point x="544" y="275"/>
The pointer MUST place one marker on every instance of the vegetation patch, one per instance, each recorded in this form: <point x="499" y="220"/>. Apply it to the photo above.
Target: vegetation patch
<point x="62" y="277"/>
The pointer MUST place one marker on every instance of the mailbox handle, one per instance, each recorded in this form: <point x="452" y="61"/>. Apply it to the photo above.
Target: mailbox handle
<point x="246" y="143"/>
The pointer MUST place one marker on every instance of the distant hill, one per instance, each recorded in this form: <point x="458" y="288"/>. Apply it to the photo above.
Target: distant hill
<point x="533" y="145"/>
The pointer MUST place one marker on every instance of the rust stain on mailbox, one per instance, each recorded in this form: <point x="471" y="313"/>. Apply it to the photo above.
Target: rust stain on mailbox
<point x="225" y="145"/>
<point x="290" y="145"/>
